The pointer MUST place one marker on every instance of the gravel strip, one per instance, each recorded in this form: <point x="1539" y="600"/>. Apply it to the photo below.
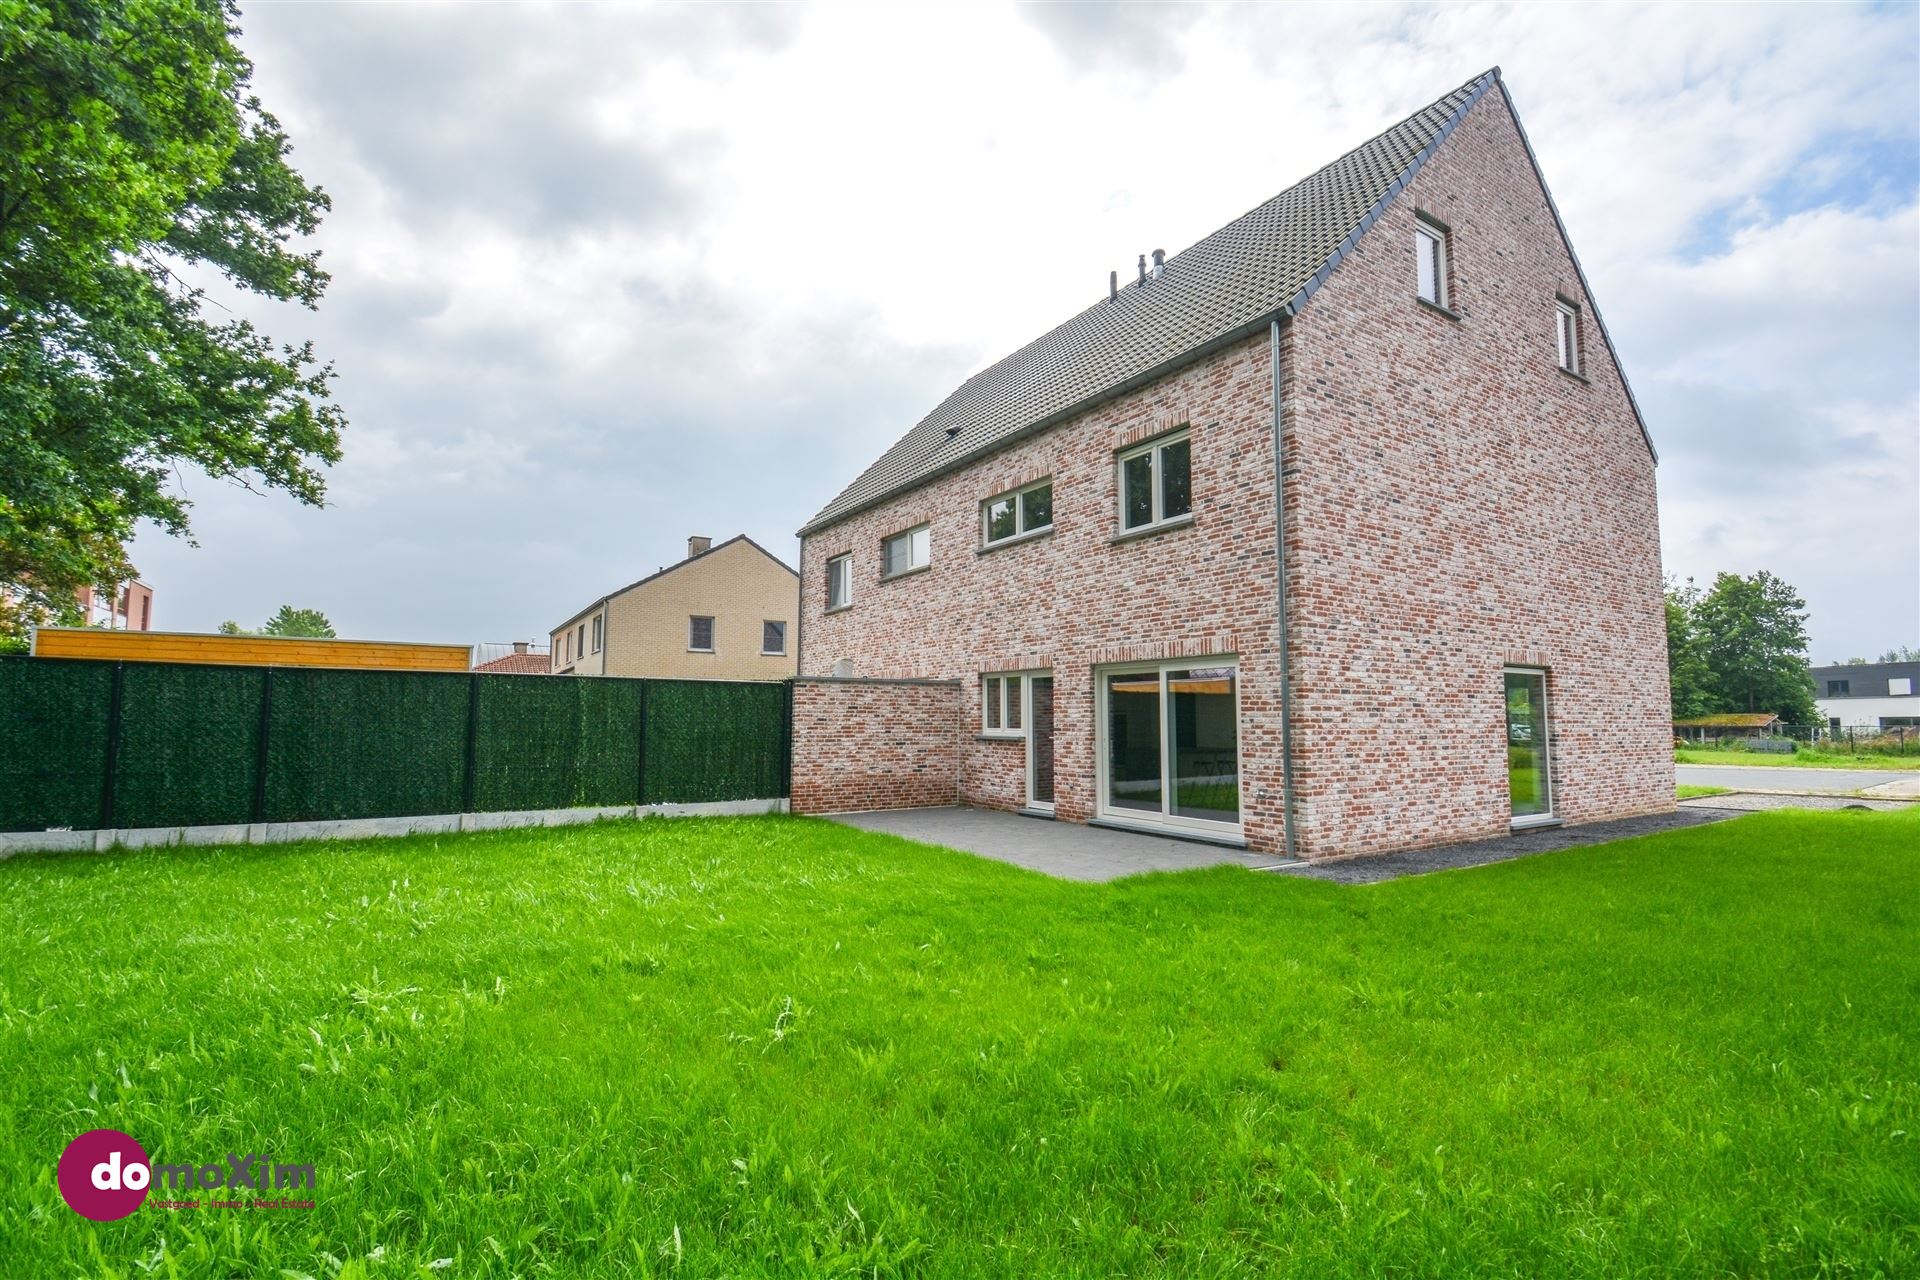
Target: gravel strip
<point x="1756" y="801"/>
<point x="1391" y="866"/>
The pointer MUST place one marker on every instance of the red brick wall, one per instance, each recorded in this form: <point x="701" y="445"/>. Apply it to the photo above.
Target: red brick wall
<point x="1075" y="598"/>
<point x="1456" y="503"/>
<point x="874" y="744"/>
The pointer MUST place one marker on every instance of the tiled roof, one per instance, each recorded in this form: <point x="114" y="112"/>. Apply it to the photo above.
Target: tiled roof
<point x="517" y="664"/>
<point x="1260" y="265"/>
<point x="679" y="564"/>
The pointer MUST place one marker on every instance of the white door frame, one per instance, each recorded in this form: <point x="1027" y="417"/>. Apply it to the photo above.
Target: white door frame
<point x="1547" y="818"/>
<point x="1167" y="819"/>
<point x="1026" y="726"/>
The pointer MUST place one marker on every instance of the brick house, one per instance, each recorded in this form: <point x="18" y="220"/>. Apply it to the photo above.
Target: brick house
<point x="1065" y="587"/>
<point x="723" y="613"/>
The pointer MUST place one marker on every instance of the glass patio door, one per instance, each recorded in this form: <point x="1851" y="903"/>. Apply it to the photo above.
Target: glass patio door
<point x="1171" y="749"/>
<point x="1529" y="767"/>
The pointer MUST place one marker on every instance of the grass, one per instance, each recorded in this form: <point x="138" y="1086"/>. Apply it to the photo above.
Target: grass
<point x="1687" y="791"/>
<point x="782" y="1047"/>
<point x="1803" y="758"/>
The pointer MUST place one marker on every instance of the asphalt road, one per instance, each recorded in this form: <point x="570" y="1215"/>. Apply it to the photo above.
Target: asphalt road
<point x="1761" y="778"/>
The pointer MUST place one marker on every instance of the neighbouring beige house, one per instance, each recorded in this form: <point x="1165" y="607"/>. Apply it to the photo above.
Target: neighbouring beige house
<point x="723" y="613"/>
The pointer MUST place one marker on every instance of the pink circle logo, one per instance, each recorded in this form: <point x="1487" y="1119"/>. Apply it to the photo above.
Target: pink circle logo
<point x="104" y="1175"/>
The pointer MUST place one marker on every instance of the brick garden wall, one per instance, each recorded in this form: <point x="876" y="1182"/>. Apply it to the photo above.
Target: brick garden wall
<point x="875" y="744"/>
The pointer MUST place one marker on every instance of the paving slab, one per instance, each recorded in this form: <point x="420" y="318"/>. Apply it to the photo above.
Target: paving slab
<point x="1068" y="850"/>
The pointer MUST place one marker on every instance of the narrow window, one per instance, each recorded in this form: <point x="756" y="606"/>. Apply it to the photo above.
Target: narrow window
<point x="700" y="634"/>
<point x="580" y="641"/>
<point x="1430" y="259"/>
<point x="773" y="638"/>
<point x="599" y="632"/>
<point x="991" y="691"/>
<point x="1016" y="514"/>
<point x="839" y="582"/>
<point x="904" y="552"/>
<point x="1156" y="483"/>
<point x="1566" y="332"/>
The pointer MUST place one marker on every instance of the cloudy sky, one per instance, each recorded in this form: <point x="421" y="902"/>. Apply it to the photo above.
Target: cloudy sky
<point x="604" y="277"/>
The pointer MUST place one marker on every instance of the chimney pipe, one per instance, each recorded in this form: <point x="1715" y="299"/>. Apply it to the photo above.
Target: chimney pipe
<point x="519" y="646"/>
<point x="1159" y="262"/>
<point x="1143" y="268"/>
<point x="697" y="544"/>
<point x="1113" y="285"/>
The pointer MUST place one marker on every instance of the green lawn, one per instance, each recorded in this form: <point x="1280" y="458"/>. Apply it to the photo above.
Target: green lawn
<point x="1688" y="791"/>
<point x="781" y="1047"/>
<point x="1804" y="758"/>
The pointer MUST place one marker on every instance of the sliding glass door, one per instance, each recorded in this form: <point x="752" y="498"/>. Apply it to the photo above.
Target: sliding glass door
<point x="1170" y="745"/>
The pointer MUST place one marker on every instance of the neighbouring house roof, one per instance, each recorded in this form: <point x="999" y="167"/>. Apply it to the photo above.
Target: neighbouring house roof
<point x="1262" y="266"/>
<point x="518" y="664"/>
<point x="673" y="568"/>
<point x="1730" y="720"/>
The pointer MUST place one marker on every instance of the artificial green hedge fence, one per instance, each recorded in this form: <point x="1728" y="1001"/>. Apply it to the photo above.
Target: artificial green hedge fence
<point x="151" y="744"/>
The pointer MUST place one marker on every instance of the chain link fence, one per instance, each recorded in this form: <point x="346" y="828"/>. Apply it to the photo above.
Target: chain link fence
<point x="1889" y="740"/>
<point x="144" y="744"/>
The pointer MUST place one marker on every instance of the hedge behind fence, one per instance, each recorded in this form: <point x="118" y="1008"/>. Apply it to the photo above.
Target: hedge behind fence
<point x="150" y="744"/>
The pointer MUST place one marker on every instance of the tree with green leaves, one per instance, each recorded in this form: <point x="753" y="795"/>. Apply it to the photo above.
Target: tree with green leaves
<point x="1687" y="674"/>
<point x="1752" y="635"/>
<point x="132" y="156"/>
<point x="310" y="623"/>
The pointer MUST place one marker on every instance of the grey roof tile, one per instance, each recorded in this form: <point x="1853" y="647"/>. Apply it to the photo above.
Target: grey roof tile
<point x="1266" y="261"/>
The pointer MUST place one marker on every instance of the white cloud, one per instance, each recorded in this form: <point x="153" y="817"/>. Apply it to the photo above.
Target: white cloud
<point x="605" y="276"/>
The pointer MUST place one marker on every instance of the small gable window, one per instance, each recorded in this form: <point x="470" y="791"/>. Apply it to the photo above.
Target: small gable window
<point x="1430" y="260"/>
<point x="839" y="582"/>
<point x="1566" y="331"/>
<point x="700" y="634"/>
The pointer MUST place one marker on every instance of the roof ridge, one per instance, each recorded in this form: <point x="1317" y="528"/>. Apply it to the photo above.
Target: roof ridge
<point x="1264" y="263"/>
<point x="664" y="570"/>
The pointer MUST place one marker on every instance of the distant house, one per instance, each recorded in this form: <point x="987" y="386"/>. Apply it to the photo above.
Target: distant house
<point x="1732" y="724"/>
<point x="525" y="660"/>
<point x="130" y="610"/>
<point x="1870" y="695"/>
<point x="723" y="613"/>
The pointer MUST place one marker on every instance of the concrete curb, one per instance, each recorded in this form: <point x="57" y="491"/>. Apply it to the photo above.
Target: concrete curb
<point x="12" y="842"/>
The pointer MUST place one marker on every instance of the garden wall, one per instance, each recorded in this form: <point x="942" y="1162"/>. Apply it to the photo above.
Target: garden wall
<point x="875" y="744"/>
<point x="116" y="746"/>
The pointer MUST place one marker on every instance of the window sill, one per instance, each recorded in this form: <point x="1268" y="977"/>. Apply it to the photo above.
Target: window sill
<point x="997" y="735"/>
<point x="904" y="573"/>
<point x="1435" y="307"/>
<point x="1148" y="530"/>
<point x="1169" y="832"/>
<point x="1032" y="535"/>
<point x="691" y="649"/>
<point x="1577" y="377"/>
<point x="1540" y="823"/>
<point x="839" y="608"/>
<point x="769" y="653"/>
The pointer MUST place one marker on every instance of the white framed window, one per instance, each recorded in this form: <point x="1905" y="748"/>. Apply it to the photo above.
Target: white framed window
<point x="1566" y="334"/>
<point x="773" y="638"/>
<point x="1430" y="260"/>
<point x="1017" y="513"/>
<point x="1002" y="705"/>
<point x="905" y="551"/>
<point x="839" y="582"/>
<point x="1900" y="686"/>
<point x="1156" y="483"/>
<point x="580" y="641"/>
<point x="700" y="634"/>
<point x="599" y="631"/>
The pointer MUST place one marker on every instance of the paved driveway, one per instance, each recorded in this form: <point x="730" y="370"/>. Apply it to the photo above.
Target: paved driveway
<point x="1746" y="777"/>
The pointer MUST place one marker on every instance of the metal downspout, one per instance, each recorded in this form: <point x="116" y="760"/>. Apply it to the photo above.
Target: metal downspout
<point x="1280" y="574"/>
